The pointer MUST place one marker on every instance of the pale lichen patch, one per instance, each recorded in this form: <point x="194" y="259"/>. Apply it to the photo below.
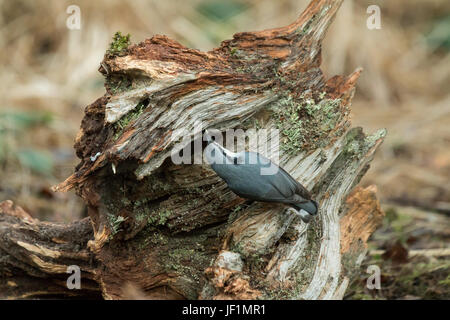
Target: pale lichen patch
<point x="306" y="123"/>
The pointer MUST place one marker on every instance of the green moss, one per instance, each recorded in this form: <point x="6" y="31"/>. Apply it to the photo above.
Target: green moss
<point x="151" y="236"/>
<point x="249" y="67"/>
<point x="119" y="44"/>
<point x="307" y="27"/>
<point x="255" y="262"/>
<point x="195" y="190"/>
<point x="305" y="123"/>
<point x="303" y="272"/>
<point x="279" y="76"/>
<point x="322" y="95"/>
<point x="115" y="222"/>
<point x="423" y="279"/>
<point x="234" y="214"/>
<point x="362" y="296"/>
<point x="445" y="282"/>
<point x="132" y="115"/>
<point x="357" y="144"/>
<point x="420" y="277"/>
<point x="401" y="222"/>
<point x="245" y="62"/>
<point x="140" y="216"/>
<point x="305" y="269"/>
<point x="158" y="239"/>
<point x="159" y="218"/>
<point x="187" y="261"/>
<point x="252" y="123"/>
<point x="372" y="139"/>
<point x="118" y="83"/>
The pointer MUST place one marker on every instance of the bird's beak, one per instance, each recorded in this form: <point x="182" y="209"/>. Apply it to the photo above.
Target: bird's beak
<point x="207" y="136"/>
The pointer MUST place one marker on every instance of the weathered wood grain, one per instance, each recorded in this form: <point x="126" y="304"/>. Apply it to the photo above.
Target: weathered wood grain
<point x="176" y="230"/>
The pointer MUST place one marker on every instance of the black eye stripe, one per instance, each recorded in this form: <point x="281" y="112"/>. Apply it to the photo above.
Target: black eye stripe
<point x="223" y="152"/>
<point x="235" y="159"/>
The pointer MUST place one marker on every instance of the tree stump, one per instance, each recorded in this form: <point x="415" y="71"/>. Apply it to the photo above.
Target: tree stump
<point x="175" y="231"/>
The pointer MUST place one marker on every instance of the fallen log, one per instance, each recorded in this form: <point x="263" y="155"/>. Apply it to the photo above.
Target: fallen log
<point x="175" y="231"/>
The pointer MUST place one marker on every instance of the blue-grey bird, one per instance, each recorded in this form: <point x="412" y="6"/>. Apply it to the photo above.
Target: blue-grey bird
<point x="252" y="176"/>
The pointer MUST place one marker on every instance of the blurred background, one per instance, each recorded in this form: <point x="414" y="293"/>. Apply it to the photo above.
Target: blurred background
<point x="49" y="74"/>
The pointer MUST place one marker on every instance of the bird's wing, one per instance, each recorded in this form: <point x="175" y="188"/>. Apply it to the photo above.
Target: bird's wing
<point x="299" y="189"/>
<point x="285" y="187"/>
<point x="240" y="157"/>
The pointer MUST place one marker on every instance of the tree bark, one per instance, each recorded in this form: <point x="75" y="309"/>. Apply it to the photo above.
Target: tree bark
<point x="176" y="231"/>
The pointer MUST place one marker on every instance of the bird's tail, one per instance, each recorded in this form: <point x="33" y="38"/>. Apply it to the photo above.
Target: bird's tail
<point x="310" y="206"/>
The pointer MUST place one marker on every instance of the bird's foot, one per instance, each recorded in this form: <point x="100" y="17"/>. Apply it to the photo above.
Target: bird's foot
<point x="304" y="215"/>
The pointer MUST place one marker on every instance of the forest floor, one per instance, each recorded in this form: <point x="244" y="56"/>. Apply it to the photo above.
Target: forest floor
<point x="411" y="251"/>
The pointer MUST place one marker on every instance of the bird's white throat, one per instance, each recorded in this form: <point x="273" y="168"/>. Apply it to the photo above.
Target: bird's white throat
<point x="226" y="151"/>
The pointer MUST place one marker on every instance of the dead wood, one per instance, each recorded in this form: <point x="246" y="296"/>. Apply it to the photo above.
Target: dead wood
<point x="176" y="231"/>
